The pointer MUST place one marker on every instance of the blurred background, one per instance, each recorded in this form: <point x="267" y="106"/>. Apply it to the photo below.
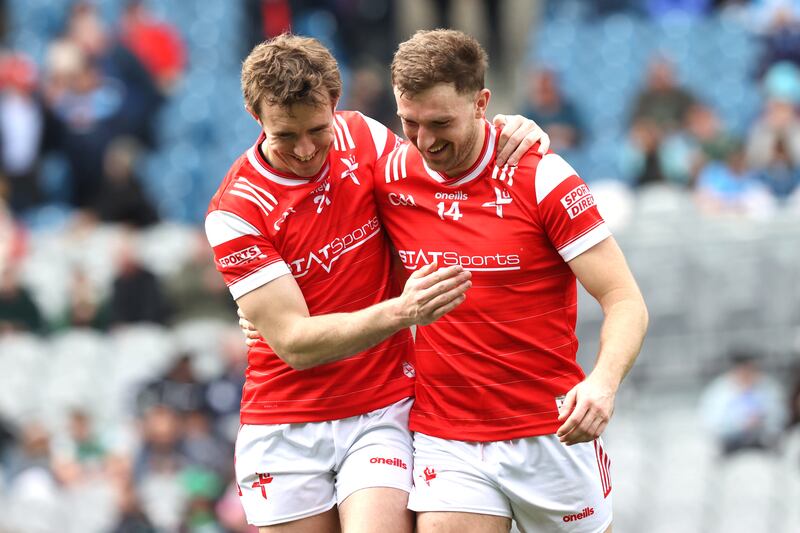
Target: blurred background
<point x="120" y="362"/>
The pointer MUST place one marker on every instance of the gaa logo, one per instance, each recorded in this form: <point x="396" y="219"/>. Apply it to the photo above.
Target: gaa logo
<point x="401" y="199"/>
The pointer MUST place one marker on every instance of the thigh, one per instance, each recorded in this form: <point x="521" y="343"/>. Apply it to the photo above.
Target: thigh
<point x="327" y="522"/>
<point x="452" y="477"/>
<point x="284" y="473"/>
<point x="443" y="522"/>
<point x="376" y="509"/>
<point x="378" y="453"/>
<point x="553" y="487"/>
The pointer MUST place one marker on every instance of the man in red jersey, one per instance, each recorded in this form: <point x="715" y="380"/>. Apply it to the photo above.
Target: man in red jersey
<point x="296" y="237"/>
<point x="506" y="424"/>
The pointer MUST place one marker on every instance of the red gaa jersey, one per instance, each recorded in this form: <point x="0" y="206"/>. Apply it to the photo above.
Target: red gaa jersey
<point x="325" y="232"/>
<point x="495" y="367"/>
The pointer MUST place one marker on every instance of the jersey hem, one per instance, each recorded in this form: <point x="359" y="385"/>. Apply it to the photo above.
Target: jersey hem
<point x="315" y="415"/>
<point x="465" y="435"/>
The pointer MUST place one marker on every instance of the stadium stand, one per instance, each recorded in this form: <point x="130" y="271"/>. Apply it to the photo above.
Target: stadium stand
<point x="713" y="282"/>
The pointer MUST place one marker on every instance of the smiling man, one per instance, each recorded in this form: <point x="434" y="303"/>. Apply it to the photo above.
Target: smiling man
<point x="506" y="423"/>
<point x="324" y="443"/>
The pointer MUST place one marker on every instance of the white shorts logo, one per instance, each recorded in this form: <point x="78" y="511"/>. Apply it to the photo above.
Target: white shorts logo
<point x="242" y="256"/>
<point x="577" y="200"/>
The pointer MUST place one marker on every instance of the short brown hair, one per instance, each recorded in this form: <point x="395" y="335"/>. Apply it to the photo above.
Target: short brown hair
<point x="439" y="56"/>
<point x="290" y="69"/>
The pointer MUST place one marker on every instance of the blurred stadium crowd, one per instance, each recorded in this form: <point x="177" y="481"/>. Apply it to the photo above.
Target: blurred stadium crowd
<point x="120" y="362"/>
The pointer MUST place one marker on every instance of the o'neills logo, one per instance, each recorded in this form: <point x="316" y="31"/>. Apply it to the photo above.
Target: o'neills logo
<point x="458" y="195"/>
<point x="242" y="256"/>
<point x="392" y="462"/>
<point x="577" y="200"/>
<point x="587" y="511"/>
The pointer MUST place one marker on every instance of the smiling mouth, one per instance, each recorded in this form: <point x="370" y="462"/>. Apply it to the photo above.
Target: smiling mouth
<point x="437" y="150"/>
<point x="306" y="159"/>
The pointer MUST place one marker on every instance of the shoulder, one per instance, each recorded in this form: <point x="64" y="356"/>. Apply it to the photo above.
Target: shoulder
<point x="397" y="164"/>
<point x="242" y="194"/>
<point x="547" y="172"/>
<point x="356" y="131"/>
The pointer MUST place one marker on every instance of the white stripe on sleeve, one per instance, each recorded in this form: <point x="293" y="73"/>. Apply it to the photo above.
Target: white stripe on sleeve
<point x="584" y="242"/>
<point x="551" y="171"/>
<point x="223" y="226"/>
<point x="259" y="278"/>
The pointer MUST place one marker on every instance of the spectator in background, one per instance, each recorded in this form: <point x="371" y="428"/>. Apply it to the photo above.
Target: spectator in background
<point x="162" y="451"/>
<point x="33" y="452"/>
<point x="140" y="97"/>
<point x="131" y="519"/>
<point x="743" y="407"/>
<point x="156" y="44"/>
<point x="780" y="23"/>
<point x="136" y="294"/>
<point x="81" y="455"/>
<point x="88" y="112"/>
<point x="641" y="161"/>
<point x="24" y="131"/>
<point x="121" y="198"/>
<point x="224" y="393"/>
<point x="773" y="147"/>
<point x="85" y="308"/>
<point x="684" y="153"/>
<point x="370" y="93"/>
<point x="662" y="102"/>
<point x="18" y="311"/>
<point x="179" y="389"/>
<point x="659" y="113"/>
<point x="548" y="107"/>
<point x="196" y="289"/>
<point x="12" y="234"/>
<point x="731" y="187"/>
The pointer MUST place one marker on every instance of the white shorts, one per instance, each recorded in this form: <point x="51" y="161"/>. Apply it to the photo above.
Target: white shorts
<point x="287" y="472"/>
<point x="541" y="483"/>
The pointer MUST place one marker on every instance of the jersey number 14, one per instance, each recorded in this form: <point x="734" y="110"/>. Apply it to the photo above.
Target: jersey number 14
<point x="454" y="212"/>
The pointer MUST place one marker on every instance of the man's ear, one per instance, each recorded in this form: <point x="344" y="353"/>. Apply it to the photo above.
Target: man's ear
<point x="482" y="103"/>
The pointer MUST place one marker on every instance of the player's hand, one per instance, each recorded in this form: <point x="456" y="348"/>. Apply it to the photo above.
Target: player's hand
<point x="586" y="411"/>
<point x="516" y="137"/>
<point x="430" y="293"/>
<point x="251" y="335"/>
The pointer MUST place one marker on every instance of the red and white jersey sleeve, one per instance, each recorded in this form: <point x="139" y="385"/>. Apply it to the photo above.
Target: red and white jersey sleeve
<point x="245" y="258"/>
<point x="496" y="366"/>
<point x="567" y="208"/>
<point x="324" y="231"/>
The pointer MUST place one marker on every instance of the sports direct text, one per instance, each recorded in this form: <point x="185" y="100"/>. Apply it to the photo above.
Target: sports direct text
<point x="577" y="200"/>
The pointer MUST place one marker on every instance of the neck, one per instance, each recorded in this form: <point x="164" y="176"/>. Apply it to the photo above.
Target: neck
<point x="474" y="152"/>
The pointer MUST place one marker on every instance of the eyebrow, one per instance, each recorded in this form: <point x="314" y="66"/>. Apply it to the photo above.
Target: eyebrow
<point x="288" y="132"/>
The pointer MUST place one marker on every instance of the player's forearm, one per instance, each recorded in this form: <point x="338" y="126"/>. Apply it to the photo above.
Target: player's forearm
<point x="316" y="340"/>
<point x="621" y="336"/>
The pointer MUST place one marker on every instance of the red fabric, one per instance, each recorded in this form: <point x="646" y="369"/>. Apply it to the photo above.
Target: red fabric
<point x="492" y="368"/>
<point x="340" y="259"/>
